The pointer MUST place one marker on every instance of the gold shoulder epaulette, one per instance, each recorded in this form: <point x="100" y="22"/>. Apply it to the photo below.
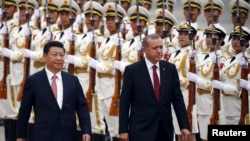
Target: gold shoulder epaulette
<point x="55" y="29"/>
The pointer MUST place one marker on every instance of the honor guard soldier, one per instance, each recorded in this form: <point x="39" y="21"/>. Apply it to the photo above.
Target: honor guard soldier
<point x="79" y="24"/>
<point x="6" y="111"/>
<point x="43" y="36"/>
<point x="149" y="29"/>
<point x="239" y="14"/>
<point x="235" y="68"/>
<point x="68" y="11"/>
<point x="181" y="59"/>
<point x="126" y="4"/>
<point x="169" y="4"/>
<point x="131" y="49"/>
<point x="86" y="45"/>
<point x="38" y="15"/>
<point x="191" y="12"/>
<point x="212" y="11"/>
<point x="20" y="38"/>
<point x="114" y="14"/>
<point x="148" y="5"/>
<point x="125" y="27"/>
<point x="164" y="23"/>
<point x="145" y="3"/>
<point x="206" y="69"/>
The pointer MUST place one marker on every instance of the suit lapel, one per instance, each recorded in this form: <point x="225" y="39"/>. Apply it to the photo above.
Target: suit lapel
<point x="163" y="78"/>
<point x="65" y="87"/>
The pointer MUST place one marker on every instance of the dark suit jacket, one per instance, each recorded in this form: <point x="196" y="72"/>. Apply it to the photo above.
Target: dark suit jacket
<point x="51" y="122"/>
<point x="139" y="109"/>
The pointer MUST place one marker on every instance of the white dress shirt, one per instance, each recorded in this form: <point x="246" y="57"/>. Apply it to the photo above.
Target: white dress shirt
<point x="59" y="85"/>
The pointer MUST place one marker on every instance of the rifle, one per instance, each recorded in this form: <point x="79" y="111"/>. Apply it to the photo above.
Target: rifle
<point x="48" y="19"/>
<point x="71" y="67"/>
<point x="92" y="72"/>
<point x="26" y="60"/>
<point x="191" y="88"/>
<point x="214" y="119"/>
<point x="114" y="108"/>
<point x="140" y="52"/>
<point x="6" y="60"/>
<point x="244" y="74"/>
<point x="102" y="30"/>
<point x="165" y="32"/>
<point x="38" y="21"/>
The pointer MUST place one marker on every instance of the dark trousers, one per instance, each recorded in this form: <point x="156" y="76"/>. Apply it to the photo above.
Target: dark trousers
<point x="162" y="134"/>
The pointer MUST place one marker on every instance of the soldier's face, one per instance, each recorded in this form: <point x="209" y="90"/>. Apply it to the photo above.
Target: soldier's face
<point x="243" y="18"/>
<point x="236" y="44"/>
<point x="159" y="28"/>
<point x="53" y="16"/>
<point x="110" y="23"/>
<point x="125" y="5"/>
<point x="209" y="16"/>
<point x="183" y="39"/>
<point x="65" y="18"/>
<point x="209" y="41"/>
<point x="134" y="27"/>
<point x="195" y="12"/>
<point x="10" y="10"/>
<point x="97" y="20"/>
<point x="22" y="13"/>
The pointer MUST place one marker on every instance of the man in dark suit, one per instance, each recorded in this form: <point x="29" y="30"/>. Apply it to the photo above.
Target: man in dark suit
<point x="145" y="116"/>
<point x="55" y="109"/>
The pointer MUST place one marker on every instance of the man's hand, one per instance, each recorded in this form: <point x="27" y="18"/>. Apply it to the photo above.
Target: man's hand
<point x="124" y="137"/>
<point x="184" y="134"/>
<point x="20" y="139"/>
<point x="86" y="137"/>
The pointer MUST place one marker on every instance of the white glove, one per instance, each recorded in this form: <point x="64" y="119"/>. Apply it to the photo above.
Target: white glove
<point x="192" y="54"/>
<point x="4" y="30"/>
<point x="37" y="13"/>
<point x="217" y="84"/>
<point x="139" y="46"/>
<point x="118" y="42"/>
<point x="192" y="77"/>
<point x="245" y="84"/>
<point x="71" y="59"/>
<point x="1" y="12"/>
<point x="6" y="52"/>
<point x="92" y="38"/>
<point x="92" y="63"/>
<point x="71" y="36"/>
<point x="58" y="21"/>
<point x="26" y="31"/>
<point x="27" y="53"/>
<point x="79" y="20"/>
<point x="117" y="64"/>
<point x="123" y="27"/>
<point x="145" y="30"/>
<point x="48" y="35"/>
<point x="243" y="62"/>
<point x="214" y="59"/>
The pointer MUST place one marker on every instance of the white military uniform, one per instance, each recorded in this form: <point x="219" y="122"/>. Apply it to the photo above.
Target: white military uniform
<point x="6" y="107"/>
<point x="204" y="95"/>
<point x="130" y="51"/>
<point x="181" y="60"/>
<point x="231" y="102"/>
<point x="201" y="46"/>
<point x="17" y="43"/>
<point x="83" y="46"/>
